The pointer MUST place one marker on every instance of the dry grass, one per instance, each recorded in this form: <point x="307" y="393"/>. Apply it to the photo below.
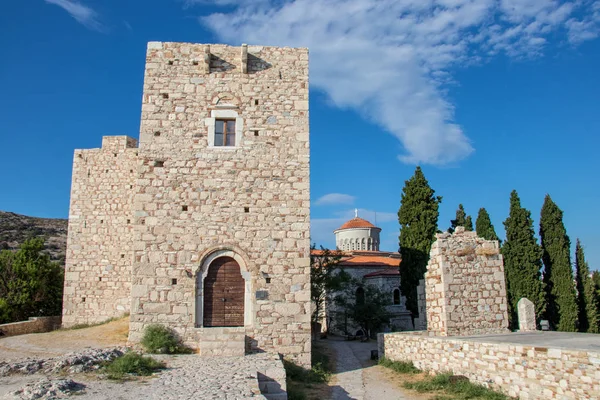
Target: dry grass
<point x="441" y="386"/>
<point x="60" y="342"/>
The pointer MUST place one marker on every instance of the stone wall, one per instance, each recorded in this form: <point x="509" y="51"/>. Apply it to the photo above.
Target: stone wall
<point x="99" y="242"/>
<point x="33" y="325"/>
<point x="194" y="200"/>
<point x="464" y="286"/>
<point x="522" y="371"/>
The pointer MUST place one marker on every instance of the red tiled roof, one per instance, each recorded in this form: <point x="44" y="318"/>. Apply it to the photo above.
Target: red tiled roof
<point x="357" y="223"/>
<point x="370" y="261"/>
<point x="383" y="259"/>
<point x="384" y="272"/>
<point x="319" y="252"/>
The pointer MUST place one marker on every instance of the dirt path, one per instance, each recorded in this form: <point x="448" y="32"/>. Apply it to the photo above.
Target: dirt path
<point x="60" y="342"/>
<point x="358" y="378"/>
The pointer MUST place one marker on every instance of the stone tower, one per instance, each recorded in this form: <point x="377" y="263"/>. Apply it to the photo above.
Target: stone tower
<point x="205" y="226"/>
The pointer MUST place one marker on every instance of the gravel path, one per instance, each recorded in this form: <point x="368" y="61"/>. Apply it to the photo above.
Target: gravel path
<point x="190" y="377"/>
<point x="186" y="377"/>
<point x="356" y="377"/>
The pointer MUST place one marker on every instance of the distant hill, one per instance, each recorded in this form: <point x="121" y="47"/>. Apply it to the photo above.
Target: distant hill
<point x="15" y="229"/>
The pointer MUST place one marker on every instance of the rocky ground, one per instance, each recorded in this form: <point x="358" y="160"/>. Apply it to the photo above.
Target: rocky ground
<point x="60" y="364"/>
<point x="15" y="229"/>
<point x="186" y="377"/>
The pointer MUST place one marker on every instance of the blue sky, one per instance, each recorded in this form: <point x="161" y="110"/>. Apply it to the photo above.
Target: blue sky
<point x="486" y="95"/>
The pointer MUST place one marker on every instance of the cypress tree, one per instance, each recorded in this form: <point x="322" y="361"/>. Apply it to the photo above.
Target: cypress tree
<point x="522" y="260"/>
<point x="469" y="224"/>
<point x="596" y="281"/>
<point x="418" y="216"/>
<point x="587" y="298"/>
<point x="461" y="219"/>
<point x="596" y="291"/>
<point x="484" y="227"/>
<point x="561" y="301"/>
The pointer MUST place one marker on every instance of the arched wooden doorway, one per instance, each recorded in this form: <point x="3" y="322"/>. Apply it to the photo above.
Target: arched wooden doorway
<point x="224" y="294"/>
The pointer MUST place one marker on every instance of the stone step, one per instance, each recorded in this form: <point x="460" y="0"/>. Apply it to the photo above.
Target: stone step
<point x="270" y="384"/>
<point x="222" y="341"/>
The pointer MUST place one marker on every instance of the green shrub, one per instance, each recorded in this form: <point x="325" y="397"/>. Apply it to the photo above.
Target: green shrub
<point x="159" y="339"/>
<point x="133" y="364"/>
<point x="295" y="393"/>
<point x="401" y="367"/>
<point x="317" y="374"/>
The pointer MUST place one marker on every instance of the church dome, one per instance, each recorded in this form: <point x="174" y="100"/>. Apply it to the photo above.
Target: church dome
<point x="357" y="234"/>
<point x="356" y="223"/>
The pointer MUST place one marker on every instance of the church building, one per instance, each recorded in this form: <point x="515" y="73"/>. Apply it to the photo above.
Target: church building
<point x="358" y="241"/>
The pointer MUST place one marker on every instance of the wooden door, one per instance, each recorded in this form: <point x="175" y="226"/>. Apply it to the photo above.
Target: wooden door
<point x="224" y="294"/>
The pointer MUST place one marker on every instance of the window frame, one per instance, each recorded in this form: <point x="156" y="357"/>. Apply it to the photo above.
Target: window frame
<point x="224" y="114"/>
<point x="225" y="133"/>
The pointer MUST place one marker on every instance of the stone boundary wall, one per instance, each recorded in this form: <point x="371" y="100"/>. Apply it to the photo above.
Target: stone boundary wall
<point x="33" y="325"/>
<point x="526" y="372"/>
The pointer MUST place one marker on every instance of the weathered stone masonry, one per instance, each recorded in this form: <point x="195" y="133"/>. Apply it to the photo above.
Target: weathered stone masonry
<point x="465" y="289"/>
<point x="526" y="372"/>
<point x="100" y="241"/>
<point x="192" y="202"/>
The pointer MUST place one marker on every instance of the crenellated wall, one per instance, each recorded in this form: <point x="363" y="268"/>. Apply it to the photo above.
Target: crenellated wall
<point x="99" y="241"/>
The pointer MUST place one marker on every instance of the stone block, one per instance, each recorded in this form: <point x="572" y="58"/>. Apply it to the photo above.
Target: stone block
<point x="155" y="45"/>
<point x="157" y="308"/>
<point x="526" y="313"/>
<point x="287" y="309"/>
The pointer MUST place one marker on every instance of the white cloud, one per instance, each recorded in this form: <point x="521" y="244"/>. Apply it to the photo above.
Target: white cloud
<point x="321" y="231"/>
<point x="390" y="59"/>
<point x="587" y="26"/>
<point x="82" y="14"/>
<point x="334" y="198"/>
